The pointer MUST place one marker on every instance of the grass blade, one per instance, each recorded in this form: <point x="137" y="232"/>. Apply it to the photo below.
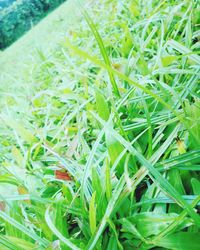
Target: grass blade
<point x="56" y="232"/>
<point x="22" y="228"/>
<point x="103" y="51"/>
<point x="117" y="191"/>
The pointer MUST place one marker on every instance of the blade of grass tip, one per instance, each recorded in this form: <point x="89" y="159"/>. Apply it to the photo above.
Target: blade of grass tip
<point x="57" y="233"/>
<point x="23" y="229"/>
<point x="126" y="174"/>
<point x="165" y="199"/>
<point x="176" y="222"/>
<point x="23" y="197"/>
<point x="116" y="193"/>
<point x="101" y="47"/>
<point x="154" y="173"/>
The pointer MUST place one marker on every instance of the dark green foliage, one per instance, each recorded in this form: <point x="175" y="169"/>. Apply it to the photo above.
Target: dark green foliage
<point x="21" y="16"/>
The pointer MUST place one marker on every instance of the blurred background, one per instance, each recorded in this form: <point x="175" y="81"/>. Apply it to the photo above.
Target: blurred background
<point x="18" y="16"/>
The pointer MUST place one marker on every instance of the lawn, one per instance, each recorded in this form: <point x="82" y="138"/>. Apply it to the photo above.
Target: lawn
<point x="100" y="129"/>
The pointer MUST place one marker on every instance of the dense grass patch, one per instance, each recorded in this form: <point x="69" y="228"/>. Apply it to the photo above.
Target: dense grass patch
<point x="100" y="143"/>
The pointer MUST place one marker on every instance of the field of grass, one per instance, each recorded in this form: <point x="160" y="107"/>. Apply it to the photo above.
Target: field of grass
<point x="100" y="129"/>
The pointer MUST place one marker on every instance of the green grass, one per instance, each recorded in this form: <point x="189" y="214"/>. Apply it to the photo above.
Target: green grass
<point x="100" y="129"/>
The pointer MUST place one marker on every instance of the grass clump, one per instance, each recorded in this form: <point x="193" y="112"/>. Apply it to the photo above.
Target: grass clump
<point x="100" y="144"/>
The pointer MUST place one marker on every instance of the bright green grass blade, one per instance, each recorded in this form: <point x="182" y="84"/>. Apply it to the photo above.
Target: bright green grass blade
<point x="96" y="183"/>
<point x="56" y="232"/>
<point x="102" y="106"/>
<point x="150" y="150"/>
<point x="7" y="178"/>
<point x="117" y="191"/>
<point x="60" y="221"/>
<point x="121" y="155"/>
<point x="92" y="214"/>
<point x="115" y="148"/>
<point x="157" y="154"/>
<point x="23" y="229"/>
<point x="17" y="244"/>
<point x="165" y="199"/>
<point x="112" y="226"/>
<point x="88" y="166"/>
<point x="181" y="240"/>
<point x="112" y="244"/>
<point x="195" y="186"/>
<point x="108" y="181"/>
<point x="128" y="226"/>
<point x="4" y="241"/>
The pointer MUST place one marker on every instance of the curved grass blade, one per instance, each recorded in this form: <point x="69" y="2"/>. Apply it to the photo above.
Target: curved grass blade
<point x="22" y="228"/>
<point x="57" y="233"/>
